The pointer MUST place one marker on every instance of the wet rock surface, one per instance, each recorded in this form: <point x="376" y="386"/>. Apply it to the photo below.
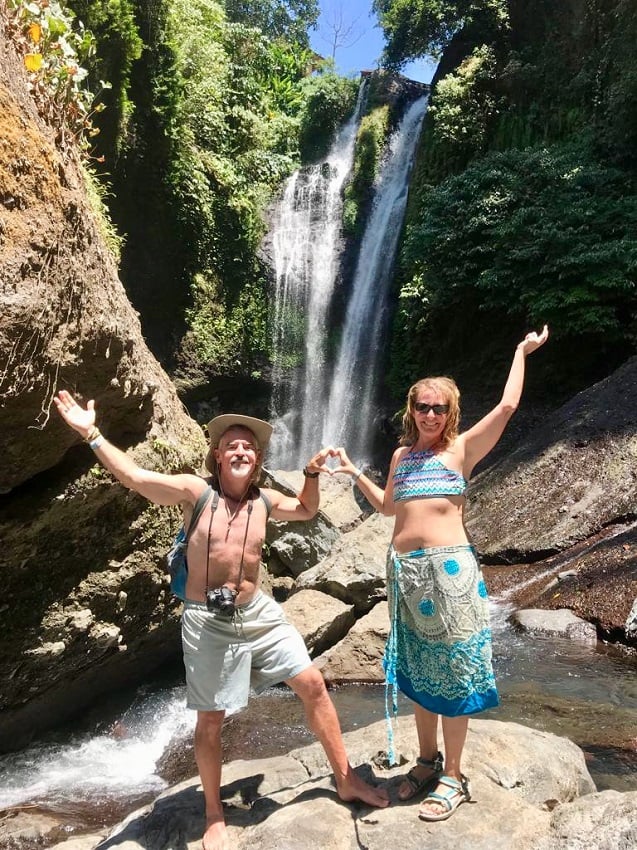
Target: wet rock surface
<point x="539" y="780"/>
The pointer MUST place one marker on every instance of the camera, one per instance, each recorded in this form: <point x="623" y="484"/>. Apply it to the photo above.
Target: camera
<point x="221" y="599"/>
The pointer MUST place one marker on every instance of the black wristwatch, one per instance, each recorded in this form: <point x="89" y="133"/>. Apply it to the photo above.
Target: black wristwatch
<point x="310" y="474"/>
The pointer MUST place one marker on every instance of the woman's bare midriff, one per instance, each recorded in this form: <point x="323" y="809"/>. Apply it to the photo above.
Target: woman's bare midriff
<point x="423" y="523"/>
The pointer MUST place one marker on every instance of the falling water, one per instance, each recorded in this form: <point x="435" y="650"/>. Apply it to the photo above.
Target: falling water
<point x="306" y="253"/>
<point x="350" y="410"/>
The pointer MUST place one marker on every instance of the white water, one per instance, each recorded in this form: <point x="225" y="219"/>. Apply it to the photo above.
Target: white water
<point x="107" y="766"/>
<point x="350" y="410"/>
<point x="306" y="254"/>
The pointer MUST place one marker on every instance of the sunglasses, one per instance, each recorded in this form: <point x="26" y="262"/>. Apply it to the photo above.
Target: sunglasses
<point x="438" y="409"/>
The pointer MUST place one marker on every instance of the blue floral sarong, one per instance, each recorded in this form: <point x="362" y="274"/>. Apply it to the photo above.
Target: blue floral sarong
<point x="438" y="652"/>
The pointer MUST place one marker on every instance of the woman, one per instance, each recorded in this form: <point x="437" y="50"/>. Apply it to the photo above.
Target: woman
<point x="439" y="648"/>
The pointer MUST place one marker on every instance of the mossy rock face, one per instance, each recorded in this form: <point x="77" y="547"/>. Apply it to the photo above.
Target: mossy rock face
<point x="85" y="606"/>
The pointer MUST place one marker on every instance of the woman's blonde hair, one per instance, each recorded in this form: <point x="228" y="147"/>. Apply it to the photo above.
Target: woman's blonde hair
<point x="446" y="387"/>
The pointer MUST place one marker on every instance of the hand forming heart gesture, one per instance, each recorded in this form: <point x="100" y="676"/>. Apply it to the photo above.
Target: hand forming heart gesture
<point x="321" y="461"/>
<point x="343" y="465"/>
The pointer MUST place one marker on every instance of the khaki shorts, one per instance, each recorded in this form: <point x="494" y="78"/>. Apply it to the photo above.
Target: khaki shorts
<point x="226" y="656"/>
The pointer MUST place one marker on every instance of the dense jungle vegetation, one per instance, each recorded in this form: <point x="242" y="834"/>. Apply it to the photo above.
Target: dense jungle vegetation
<point x="211" y="106"/>
<point x="523" y="206"/>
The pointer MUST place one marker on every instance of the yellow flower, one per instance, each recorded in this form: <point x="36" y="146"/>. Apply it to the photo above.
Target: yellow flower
<point x="35" y="32"/>
<point x="33" y="62"/>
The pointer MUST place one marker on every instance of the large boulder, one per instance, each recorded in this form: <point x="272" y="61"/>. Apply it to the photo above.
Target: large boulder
<point x="85" y="604"/>
<point x="529" y="788"/>
<point x="358" y="656"/>
<point x="604" y="821"/>
<point x="569" y="479"/>
<point x="595" y="579"/>
<point x="337" y="498"/>
<point x="559" y="622"/>
<point x="321" y="619"/>
<point x="354" y="571"/>
<point x="295" y="547"/>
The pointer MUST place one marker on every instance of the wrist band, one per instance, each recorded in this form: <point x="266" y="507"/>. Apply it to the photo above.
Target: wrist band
<point x="96" y="442"/>
<point x="309" y="474"/>
<point x="93" y="434"/>
<point x="356" y="474"/>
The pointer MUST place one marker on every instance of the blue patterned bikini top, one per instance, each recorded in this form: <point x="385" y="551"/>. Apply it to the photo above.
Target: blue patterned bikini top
<point x="419" y="475"/>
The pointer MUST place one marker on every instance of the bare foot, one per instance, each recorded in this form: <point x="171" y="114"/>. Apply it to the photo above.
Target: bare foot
<point x="215" y="837"/>
<point x="352" y="787"/>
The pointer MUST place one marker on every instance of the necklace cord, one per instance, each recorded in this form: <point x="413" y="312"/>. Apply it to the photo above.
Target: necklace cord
<point x="243" y="548"/>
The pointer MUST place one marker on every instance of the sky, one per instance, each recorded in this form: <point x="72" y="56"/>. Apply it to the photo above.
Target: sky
<point x="363" y="45"/>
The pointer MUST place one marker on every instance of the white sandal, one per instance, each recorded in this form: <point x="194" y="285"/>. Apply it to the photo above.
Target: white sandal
<point x="457" y="793"/>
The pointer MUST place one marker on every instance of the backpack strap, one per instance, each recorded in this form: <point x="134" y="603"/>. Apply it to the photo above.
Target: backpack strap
<point x="200" y="504"/>
<point x="267" y="501"/>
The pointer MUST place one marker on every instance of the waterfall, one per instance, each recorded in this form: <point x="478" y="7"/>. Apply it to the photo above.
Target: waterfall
<point x="325" y="403"/>
<point x="306" y="249"/>
<point x="350" y="409"/>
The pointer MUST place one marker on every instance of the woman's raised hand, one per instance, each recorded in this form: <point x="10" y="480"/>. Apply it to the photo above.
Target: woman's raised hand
<point x="345" y="465"/>
<point x="533" y="340"/>
<point x="79" y="418"/>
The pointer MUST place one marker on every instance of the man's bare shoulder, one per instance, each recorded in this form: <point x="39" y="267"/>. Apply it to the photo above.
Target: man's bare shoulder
<point x="189" y="485"/>
<point x="272" y="495"/>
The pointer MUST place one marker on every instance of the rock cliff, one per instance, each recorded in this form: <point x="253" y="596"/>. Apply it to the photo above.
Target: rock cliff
<point x="85" y="606"/>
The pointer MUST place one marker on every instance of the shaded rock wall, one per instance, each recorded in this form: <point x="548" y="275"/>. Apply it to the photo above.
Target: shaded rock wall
<point x="571" y="477"/>
<point x="85" y="606"/>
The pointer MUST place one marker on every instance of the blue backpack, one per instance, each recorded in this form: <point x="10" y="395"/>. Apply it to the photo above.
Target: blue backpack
<point x="176" y="557"/>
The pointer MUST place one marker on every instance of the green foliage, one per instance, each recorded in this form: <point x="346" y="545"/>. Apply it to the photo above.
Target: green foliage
<point x="416" y="28"/>
<point x="96" y="193"/>
<point x="118" y="46"/>
<point x="55" y="49"/>
<point x="618" y="97"/>
<point x="370" y="142"/>
<point x="214" y="130"/>
<point x="236" y="118"/>
<point x="329" y="101"/>
<point x="463" y="105"/>
<point x="523" y="237"/>
<point x="288" y="19"/>
<point x="223" y="333"/>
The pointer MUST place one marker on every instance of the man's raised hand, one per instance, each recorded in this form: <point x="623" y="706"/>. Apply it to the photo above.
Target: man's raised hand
<point x="79" y="418"/>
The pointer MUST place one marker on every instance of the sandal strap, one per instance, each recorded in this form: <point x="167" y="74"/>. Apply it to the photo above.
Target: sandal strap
<point x="455" y="785"/>
<point x="434" y="764"/>
<point x="413" y="780"/>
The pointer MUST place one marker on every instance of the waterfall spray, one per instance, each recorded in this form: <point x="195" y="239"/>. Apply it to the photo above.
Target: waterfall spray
<point x="350" y="409"/>
<point x="306" y="245"/>
<point x="314" y="402"/>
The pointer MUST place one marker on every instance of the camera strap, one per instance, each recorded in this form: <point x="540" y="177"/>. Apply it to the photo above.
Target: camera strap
<point x="243" y="548"/>
<point x="213" y="507"/>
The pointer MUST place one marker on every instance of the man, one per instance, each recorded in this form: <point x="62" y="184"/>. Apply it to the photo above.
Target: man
<point x="224" y="651"/>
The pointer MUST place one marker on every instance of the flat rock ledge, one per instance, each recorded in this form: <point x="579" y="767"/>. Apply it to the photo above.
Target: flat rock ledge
<point x="530" y="791"/>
